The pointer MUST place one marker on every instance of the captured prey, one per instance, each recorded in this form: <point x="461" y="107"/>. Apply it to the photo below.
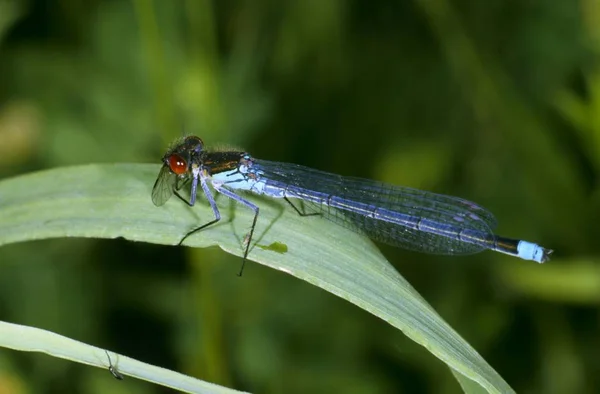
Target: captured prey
<point x="400" y="216"/>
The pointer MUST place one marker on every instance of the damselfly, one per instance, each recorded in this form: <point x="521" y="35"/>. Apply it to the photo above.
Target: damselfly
<point x="400" y="216"/>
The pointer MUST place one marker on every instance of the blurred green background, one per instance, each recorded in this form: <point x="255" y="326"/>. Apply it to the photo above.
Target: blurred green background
<point x="495" y="101"/>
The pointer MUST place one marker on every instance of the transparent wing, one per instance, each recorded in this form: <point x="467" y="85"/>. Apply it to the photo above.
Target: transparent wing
<point x="164" y="186"/>
<point x="395" y="235"/>
<point x="451" y="212"/>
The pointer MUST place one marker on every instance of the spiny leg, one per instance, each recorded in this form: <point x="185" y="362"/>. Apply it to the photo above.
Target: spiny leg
<point x="217" y="214"/>
<point x="213" y="205"/>
<point x="178" y="187"/>
<point x="255" y="208"/>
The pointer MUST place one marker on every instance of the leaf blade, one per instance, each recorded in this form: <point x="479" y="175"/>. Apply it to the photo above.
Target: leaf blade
<point x="113" y="200"/>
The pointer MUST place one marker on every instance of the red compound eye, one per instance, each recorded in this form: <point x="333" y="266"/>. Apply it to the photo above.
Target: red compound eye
<point x="177" y="164"/>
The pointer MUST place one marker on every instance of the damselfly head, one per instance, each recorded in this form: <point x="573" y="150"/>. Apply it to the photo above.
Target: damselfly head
<point x="181" y="158"/>
<point x="182" y="154"/>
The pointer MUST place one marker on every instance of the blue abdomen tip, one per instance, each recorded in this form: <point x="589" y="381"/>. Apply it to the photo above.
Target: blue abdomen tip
<point x="530" y="251"/>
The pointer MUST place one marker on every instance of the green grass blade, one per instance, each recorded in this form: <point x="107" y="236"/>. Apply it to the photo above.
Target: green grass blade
<point x="30" y="339"/>
<point x="467" y="385"/>
<point x="109" y="201"/>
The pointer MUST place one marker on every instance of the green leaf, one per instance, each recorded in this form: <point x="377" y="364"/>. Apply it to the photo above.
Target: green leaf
<point x="24" y="338"/>
<point x="468" y="386"/>
<point x="109" y="201"/>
